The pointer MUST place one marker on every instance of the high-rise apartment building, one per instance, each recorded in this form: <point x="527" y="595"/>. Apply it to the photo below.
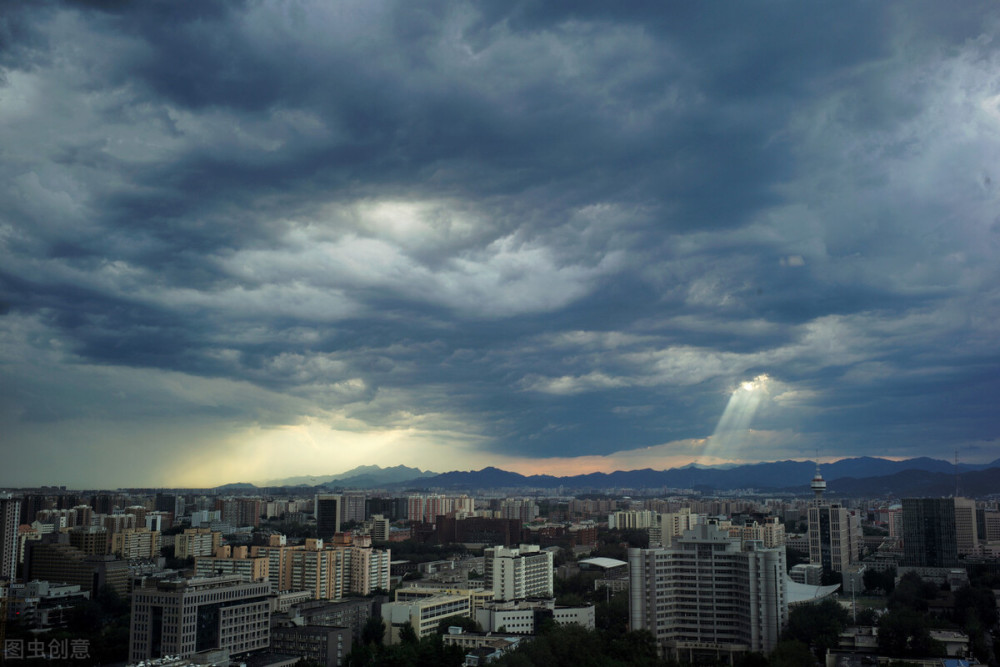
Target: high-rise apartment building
<point x="966" y="530"/>
<point x="194" y="542"/>
<point x="328" y="572"/>
<point x="705" y="597"/>
<point x="232" y="561"/>
<point x="182" y="617"/>
<point x="352" y="507"/>
<point x="10" y="516"/>
<point x="137" y="543"/>
<point x="516" y="574"/>
<point x="327" y="509"/>
<point x="929" y="534"/>
<point x="379" y="528"/>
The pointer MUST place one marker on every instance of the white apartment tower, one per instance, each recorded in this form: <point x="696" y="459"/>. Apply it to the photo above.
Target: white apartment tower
<point x="516" y="574"/>
<point x="705" y="597"/>
<point x="10" y="516"/>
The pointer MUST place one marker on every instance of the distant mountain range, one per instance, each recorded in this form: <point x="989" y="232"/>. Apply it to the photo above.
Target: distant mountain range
<point x="868" y="476"/>
<point x="361" y="477"/>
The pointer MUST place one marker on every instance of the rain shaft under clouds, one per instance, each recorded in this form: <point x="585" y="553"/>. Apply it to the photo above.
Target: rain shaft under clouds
<point x="298" y="237"/>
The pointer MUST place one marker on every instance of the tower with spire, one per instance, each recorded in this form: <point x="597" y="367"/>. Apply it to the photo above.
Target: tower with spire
<point x="834" y="532"/>
<point x="818" y="485"/>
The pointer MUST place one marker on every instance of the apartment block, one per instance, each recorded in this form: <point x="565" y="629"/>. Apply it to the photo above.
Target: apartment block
<point x="706" y="598"/>
<point x="137" y="543"/>
<point x="195" y="542"/>
<point x="233" y="561"/>
<point x="515" y="574"/>
<point x="10" y="515"/>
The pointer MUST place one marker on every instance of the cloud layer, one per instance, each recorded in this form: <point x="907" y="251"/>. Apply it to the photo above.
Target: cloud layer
<point x="279" y="239"/>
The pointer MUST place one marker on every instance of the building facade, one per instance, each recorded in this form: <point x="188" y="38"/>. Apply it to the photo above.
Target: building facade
<point x="705" y="597"/>
<point x="183" y="617"/>
<point x="929" y="535"/>
<point x="327" y="510"/>
<point x="10" y="517"/>
<point x="516" y="574"/>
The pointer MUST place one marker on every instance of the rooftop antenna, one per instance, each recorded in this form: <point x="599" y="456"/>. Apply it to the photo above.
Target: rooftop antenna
<point x="958" y="478"/>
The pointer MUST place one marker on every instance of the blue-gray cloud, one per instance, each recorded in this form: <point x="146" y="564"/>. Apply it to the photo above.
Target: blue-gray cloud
<point x="544" y="229"/>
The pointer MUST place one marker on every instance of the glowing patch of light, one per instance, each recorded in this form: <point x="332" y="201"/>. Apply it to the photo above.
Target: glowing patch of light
<point x="734" y="426"/>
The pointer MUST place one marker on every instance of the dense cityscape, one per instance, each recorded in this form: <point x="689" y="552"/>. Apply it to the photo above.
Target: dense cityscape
<point x="409" y="575"/>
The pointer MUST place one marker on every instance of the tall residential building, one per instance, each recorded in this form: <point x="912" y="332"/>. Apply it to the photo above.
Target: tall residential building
<point x="328" y="572"/>
<point x="327" y="509"/>
<point x="10" y="517"/>
<point x="194" y="542"/>
<point x="670" y="525"/>
<point x="705" y="597"/>
<point x="929" y="535"/>
<point x="138" y="543"/>
<point x="182" y="617"/>
<point x="515" y="574"/>
<point x="966" y="530"/>
<point x="352" y="507"/>
<point x="232" y="561"/>
<point x="379" y="528"/>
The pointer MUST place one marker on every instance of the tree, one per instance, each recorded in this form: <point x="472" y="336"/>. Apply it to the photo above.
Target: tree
<point x="407" y="635"/>
<point x="373" y="632"/>
<point x="467" y="624"/>
<point x="817" y="625"/>
<point x="791" y="653"/>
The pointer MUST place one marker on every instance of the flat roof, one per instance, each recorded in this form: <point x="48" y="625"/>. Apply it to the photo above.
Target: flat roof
<point x="604" y="563"/>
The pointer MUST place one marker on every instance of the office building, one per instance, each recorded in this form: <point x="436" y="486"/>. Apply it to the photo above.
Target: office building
<point x="327" y="510"/>
<point x="706" y="598"/>
<point x="50" y="560"/>
<point x="10" y="516"/>
<point x="182" y="617"/>
<point x="523" y="617"/>
<point x="325" y="646"/>
<point x="515" y="574"/>
<point x="929" y="534"/>
<point x="423" y="614"/>
<point x="834" y="533"/>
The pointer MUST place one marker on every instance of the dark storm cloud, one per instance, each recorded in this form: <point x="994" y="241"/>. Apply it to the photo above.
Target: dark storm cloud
<point x="549" y="229"/>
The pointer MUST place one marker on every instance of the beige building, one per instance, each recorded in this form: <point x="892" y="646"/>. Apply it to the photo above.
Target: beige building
<point x="232" y="561"/>
<point x="328" y="571"/>
<point x="136" y="543"/>
<point x="966" y="533"/>
<point x="195" y="542"/>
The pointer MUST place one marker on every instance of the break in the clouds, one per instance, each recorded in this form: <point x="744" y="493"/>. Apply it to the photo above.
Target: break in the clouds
<point x="240" y="241"/>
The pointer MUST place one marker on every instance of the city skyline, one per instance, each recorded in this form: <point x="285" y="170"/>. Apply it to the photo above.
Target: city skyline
<point x="247" y="242"/>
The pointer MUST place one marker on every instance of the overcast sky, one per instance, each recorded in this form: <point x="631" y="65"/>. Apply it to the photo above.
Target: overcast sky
<point x="244" y="241"/>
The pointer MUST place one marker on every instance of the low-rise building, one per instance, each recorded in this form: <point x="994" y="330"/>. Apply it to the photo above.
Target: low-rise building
<point x="424" y="614"/>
